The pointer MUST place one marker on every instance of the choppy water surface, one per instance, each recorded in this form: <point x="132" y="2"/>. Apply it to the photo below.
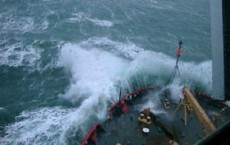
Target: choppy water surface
<point x="62" y="61"/>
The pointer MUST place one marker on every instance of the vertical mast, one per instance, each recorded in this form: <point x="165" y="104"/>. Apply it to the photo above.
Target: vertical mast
<point x="176" y="68"/>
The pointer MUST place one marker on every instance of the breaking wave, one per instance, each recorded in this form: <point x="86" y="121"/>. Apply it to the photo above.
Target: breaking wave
<point x="101" y="45"/>
<point x="160" y="66"/>
<point x="96" y="76"/>
<point x="96" y="71"/>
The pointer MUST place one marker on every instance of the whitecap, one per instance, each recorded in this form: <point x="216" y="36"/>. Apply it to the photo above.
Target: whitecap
<point x="19" y="55"/>
<point x="128" y="49"/>
<point x="81" y="17"/>
<point x="103" y="23"/>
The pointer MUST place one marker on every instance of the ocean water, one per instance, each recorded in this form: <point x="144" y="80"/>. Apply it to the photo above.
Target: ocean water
<point x="62" y="62"/>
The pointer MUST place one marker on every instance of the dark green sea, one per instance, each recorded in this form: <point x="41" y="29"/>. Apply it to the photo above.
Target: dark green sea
<point x="62" y="62"/>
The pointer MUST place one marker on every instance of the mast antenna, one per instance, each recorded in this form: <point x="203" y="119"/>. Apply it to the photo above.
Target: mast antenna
<point x="176" y="67"/>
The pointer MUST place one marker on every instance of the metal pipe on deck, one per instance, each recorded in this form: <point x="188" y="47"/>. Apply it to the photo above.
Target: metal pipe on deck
<point x="202" y="116"/>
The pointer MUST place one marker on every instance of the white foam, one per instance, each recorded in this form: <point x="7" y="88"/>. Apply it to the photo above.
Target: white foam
<point x="154" y="105"/>
<point x="41" y="25"/>
<point x="197" y="72"/>
<point x="21" y="24"/>
<point x="103" y="23"/>
<point x="153" y="63"/>
<point x="54" y="125"/>
<point x="19" y="55"/>
<point x="150" y="61"/>
<point x="128" y="49"/>
<point x="78" y="17"/>
<point x="175" y="90"/>
<point x="91" y="110"/>
<point x="42" y="126"/>
<point x="81" y="17"/>
<point x="159" y="64"/>
<point x="94" y="72"/>
<point x="3" y="110"/>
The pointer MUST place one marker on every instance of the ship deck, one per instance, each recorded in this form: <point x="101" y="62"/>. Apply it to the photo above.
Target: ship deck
<point x="126" y="129"/>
